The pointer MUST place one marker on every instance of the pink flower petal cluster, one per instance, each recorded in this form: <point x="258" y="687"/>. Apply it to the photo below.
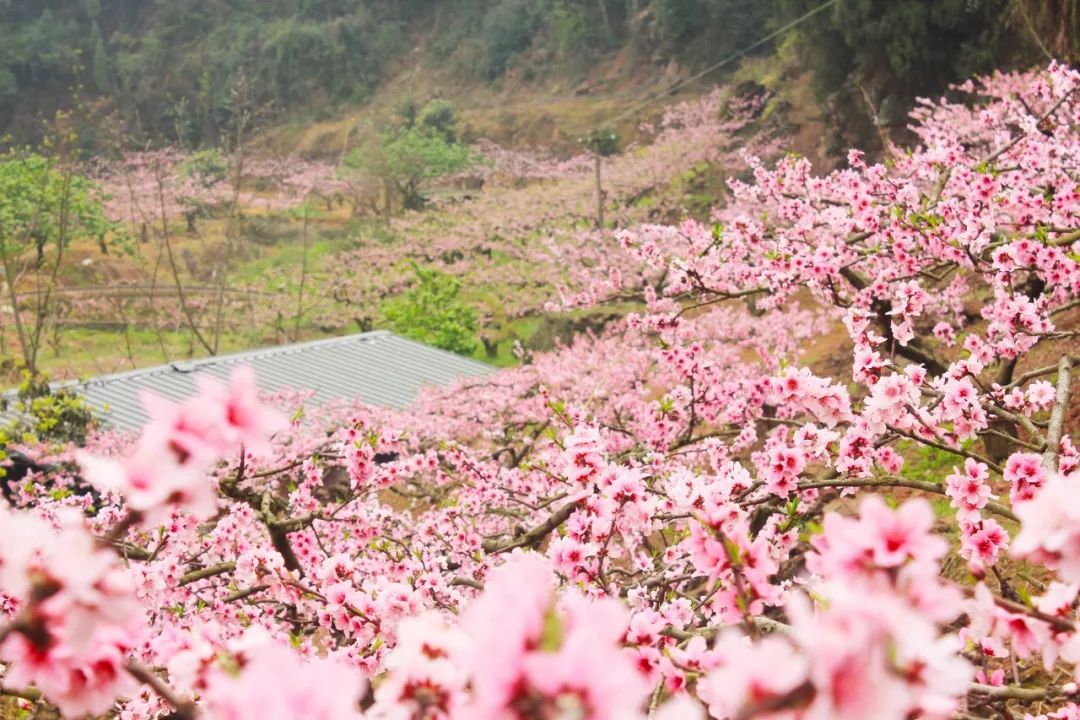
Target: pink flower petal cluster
<point x="167" y="469"/>
<point x="77" y="614"/>
<point x="1050" y="526"/>
<point x="525" y="650"/>
<point x="267" y="680"/>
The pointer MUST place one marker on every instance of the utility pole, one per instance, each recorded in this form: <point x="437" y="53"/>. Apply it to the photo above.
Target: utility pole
<point x="602" y="143"/>
<point x="599" y="194"/>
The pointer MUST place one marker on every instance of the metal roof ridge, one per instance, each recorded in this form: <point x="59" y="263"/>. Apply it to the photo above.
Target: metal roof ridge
<point x="461" y="358"/>
<point x="197" y="363"/>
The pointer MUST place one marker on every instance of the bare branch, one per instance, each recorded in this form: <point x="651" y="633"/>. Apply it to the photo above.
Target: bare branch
<point x="206" y="572"/>
<point x="894" y="481"/>
<point x="535" y="535"/>
<point x="184" y="708"/>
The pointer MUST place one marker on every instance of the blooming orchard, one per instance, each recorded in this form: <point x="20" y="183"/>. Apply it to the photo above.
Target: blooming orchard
<point x="706" y="512"/>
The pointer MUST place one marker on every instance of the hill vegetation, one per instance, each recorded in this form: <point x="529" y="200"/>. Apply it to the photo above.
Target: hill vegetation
<point x="183" y="70"/>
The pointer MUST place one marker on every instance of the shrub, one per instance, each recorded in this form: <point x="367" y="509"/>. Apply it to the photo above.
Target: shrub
<point x="433" y="313"/>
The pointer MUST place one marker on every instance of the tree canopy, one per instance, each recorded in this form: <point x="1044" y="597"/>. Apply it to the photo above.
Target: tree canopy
<point x="433" y="312"/>
<point x="42" y="205"/>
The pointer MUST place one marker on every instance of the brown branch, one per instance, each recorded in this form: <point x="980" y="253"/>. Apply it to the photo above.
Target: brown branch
<point x="116" y="535"/>
<point x="914" y="350"/>
<point x="1010" y="439"/>
<point x="206" y="572"/>
<point x="794" y="698"/>
<point x="245" y="593"/>
<point x="1055" y="621"/>
<point x="945" y="448"/>
<point x="709" y="632"/>
<point x="1031" y="375"/>
<point x="1067" y="239"/>
<point x="1012" y="692"/>
<point x="893" y="481"/>
<point x="280" y="540"/>
<point x="130" y="551"/>
<point x="294" y="524"/>
<point x="31" y="694"/>
<point x="534" y="536"/>
<point x="466" y="582"/>
<point x="1016" y="141"/>
<point x="1021" y="420"/>
<point x="184" y="708"/>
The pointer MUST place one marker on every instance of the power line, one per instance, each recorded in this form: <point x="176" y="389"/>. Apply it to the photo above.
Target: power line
<point x="729" y="59"/>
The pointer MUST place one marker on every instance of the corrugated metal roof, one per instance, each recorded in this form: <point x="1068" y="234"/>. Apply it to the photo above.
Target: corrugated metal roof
<point x="379" y="367"/>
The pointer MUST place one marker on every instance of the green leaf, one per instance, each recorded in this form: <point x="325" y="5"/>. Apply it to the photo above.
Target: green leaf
<point x="551" y="634"/>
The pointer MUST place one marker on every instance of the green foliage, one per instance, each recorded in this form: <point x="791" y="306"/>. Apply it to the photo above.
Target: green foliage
<point x="708" y="29"/>
<point x="602" y="141"/>
<point x="485" y="38"/>
<point x="922" y="462"/>
<point x="42" y="205"/>
<point x="9" y="86"/>
<point x="423" y="148"/>
<point x="37" y="413"/>
<point x="439" y="118"/>
<point x="678" y="18"/>
<point x="897" y="49"/>
<point x="432" y="312"/>
<point x="100" y="60"/>
<point x="170" y="66"/>
<point x="508" y="30"/>
<point x="571" y="30"/>
<point x="414" y="156"/>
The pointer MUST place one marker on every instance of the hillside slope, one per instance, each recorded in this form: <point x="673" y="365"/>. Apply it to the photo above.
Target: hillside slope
<point x="189" y="70"/>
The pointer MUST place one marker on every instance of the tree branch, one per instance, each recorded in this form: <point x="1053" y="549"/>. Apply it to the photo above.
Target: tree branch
<point x="1057" y="416"/>
<point x="206" y="572"/>
<point x="1012" y="692"/>
<point x="535" y="535"/>
<point x="893" y="481"/>
<point x="185" y="709"/>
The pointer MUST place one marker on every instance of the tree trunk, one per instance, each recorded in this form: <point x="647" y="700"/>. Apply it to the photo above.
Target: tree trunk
<point x="599" y="195"/>
<point x="411" y="197"/>
<point x="13" y="298"/>
<point x="604" y="18"/>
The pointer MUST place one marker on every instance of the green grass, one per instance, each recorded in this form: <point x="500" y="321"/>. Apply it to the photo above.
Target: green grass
<point x="287" y="257"/>
<point x="522" y="329"/>
<point x="87" y="352"/>
<point x="926" y="463"/>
